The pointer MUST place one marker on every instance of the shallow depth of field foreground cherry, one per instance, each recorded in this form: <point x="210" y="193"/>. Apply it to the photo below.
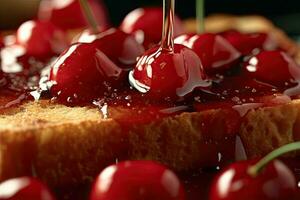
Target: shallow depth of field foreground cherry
<point x="24" y="188"/>
<point x="266" y="179"/>
<point x="137" y="180"/>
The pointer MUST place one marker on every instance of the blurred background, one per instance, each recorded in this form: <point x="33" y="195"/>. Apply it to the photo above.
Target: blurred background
<point x="284" y="13"/>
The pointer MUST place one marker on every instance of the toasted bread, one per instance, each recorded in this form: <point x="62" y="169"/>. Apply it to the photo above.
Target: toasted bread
<point x="67" y="146"/>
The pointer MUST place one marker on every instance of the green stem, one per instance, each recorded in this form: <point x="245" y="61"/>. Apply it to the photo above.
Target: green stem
<point x="260" y="165"/>
<point x="85" y="6"/>
<point x="200" y="13"/>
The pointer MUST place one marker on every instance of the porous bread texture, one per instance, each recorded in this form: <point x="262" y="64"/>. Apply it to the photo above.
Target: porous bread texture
<point x="67" y="146"/>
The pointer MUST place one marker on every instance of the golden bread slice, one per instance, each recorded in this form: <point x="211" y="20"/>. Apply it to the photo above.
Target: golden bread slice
<point x="67" y="146"/>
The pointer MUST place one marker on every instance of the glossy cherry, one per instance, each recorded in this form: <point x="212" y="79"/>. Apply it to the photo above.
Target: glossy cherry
<point x="41" y="39"/>
<point x="120" y="47"/>
<point x="275" y="182"/>
<point x="215" y="52"/>
<point x="67" y="14"/>
<point x="165" y="74"/>
<point x="146" y="25"/>
<point x="247" y="42"/>
<point x="137" y="180"/>
<point x="273" y="67"/>
<point x="82" y="73"/>
<point x="24" y="188"/>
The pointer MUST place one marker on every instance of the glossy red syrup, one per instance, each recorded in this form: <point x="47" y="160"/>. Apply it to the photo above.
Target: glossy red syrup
<point x="67" y="14"/>
<point x="146" y="25"/>
<point x="165" y="74"/>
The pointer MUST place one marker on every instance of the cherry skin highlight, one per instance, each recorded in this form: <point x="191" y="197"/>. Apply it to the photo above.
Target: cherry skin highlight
<point x="247" y="42"/>
<point x="83" y="73"/>
<point x="215" y="52"/>
<point x="120" y="47"/>
<point x="24" y="188"/>
<point x="41" y="39"/>
<point x="137" y="180"/>
<point x="276" y="181"/>
<point x="273" y="67"/>
<point x="164" y="74"/>
<point x="67" y="14"/>
<point x="146" y="25"/>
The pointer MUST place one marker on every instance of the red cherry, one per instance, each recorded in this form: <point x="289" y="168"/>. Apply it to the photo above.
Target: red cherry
<point x="24" y="188"/>
<point x="273" y="67"/>
<point x="67" y="14"/>
<point x="1" y="43"/>
<point x="215" y="52"/>
<point x="164" y="74"/>
<point x="82" y="73"/>
<point x="137" y="180"/>
<point x="246" y="43"/>
<point x="120" y="47"/>
<point x="146" y="25"/>
<point x="275" y="182"/>
<point x="41" y="39"/>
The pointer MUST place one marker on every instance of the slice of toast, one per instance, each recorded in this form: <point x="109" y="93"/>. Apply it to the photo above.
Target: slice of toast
<point x="67" y="146"/>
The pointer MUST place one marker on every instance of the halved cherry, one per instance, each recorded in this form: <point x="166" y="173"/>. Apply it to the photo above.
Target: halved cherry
<point x="120" y="47"/>
<point x="41" y="39"/>
<point x="273" y="67"/>
<point x="67" y="14"/>
<point x="247" y="42"/>
<point x="146" y="25"/>
<point x="82" y="73"/>
<point x="138" y="180"/>
<point x="215" y="52"/>
<point x="24" y="188"/>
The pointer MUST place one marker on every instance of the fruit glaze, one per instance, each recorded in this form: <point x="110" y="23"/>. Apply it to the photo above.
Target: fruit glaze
<point x="123" y="68"/>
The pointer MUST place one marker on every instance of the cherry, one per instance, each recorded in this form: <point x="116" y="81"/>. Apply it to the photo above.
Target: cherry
<point x="120" y="47"/>
<point x="41" y="39"/>
<point x="24" y="188"/>
<point x="164" y="74"/>
<point x="276" y="181"/>
<point x="246" y="43"/>
<point x="168" y="72"/>
<point x="267" y="179"/>
<point x="82" y="73"/>
<point x="146" y="25"/>
<point x="215" y="52"/>
<point x="273" y="67"/>
<point x="67" y="14"/>
<point x="1" y="43"/>
<point x="137" y="180"/>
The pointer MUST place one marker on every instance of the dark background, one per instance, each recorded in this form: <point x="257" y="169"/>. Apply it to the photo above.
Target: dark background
<point x="284" y="13"/>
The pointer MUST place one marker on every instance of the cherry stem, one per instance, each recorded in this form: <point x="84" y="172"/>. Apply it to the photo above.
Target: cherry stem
<point x="260" y="165"/>
<point x="85" y="6"/>
<point x="168" y="25"/>
<point x="200" y="13"/>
